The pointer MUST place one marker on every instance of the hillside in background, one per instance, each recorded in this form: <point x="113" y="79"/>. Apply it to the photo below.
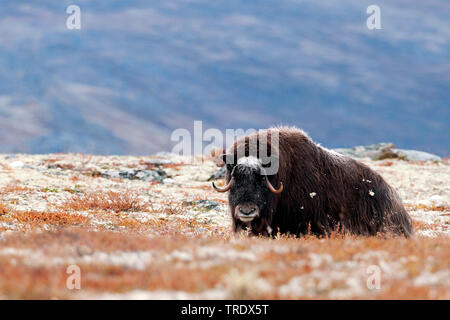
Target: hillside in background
<point x="138" y="70"/>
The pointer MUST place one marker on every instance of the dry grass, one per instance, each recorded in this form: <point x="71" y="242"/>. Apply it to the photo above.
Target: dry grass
<point x="27" y="220"/>
<point x="50" y="282"/>
<point x="109" y="201"/>
<point x="420" y="225"/>
<point x="35" y="218"/>
<point x="172" y="207"/>
<point x="3" y="209"/>
<point x="386" y="164"/>
<point x="431" y="208"/>
<point x="20" y="281"/>
<point x="279" y="261"/>
<point x="14" y="188"/>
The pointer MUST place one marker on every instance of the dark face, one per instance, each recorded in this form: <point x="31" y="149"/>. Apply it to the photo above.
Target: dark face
<point x="249" y="194"/>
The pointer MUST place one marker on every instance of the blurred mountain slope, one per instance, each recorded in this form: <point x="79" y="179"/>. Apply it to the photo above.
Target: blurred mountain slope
<point x="138" y="70"/>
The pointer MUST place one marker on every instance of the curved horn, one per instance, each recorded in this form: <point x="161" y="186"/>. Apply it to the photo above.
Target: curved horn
<point x="225" y="189"/>
<point x="272" y="189"/>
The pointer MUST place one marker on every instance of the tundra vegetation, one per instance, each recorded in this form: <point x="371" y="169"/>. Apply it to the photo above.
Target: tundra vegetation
<point x="172" y="237"/>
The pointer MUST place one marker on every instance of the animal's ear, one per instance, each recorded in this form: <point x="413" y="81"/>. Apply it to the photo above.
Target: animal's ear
<point x="224" y="158"/>
<point x="228" y="159"/>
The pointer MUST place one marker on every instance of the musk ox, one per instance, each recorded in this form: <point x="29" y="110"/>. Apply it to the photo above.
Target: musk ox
<point x="312" y="190"/>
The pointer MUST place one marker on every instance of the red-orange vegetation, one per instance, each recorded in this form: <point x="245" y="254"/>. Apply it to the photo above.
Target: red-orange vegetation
<point x="110" y="200"/>
<point x="35" y="219"/>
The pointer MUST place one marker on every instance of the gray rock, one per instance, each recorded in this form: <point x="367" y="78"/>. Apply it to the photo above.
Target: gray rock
<point x="158" y="162"/>
<point x="17" y="165"/>
<point x="413" y="155"/>
<point x="220" y="174"/>
<point x="205" y="204"/>
<point x="168" y="181"/>
<point x="30" y="166"/>
<point x="372" y="151"/>
<point x="144" y="175"/>
<point x="385" y="150"/>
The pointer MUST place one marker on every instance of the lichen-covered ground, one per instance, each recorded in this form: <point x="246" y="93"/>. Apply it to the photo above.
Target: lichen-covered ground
<point x="137" y="239"/>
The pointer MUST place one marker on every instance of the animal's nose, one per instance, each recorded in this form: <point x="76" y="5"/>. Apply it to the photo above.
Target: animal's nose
<point x="247" y="211"/>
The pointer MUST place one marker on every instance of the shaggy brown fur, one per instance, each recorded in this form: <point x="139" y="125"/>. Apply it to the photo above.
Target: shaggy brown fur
<point x="323" y="190"/>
